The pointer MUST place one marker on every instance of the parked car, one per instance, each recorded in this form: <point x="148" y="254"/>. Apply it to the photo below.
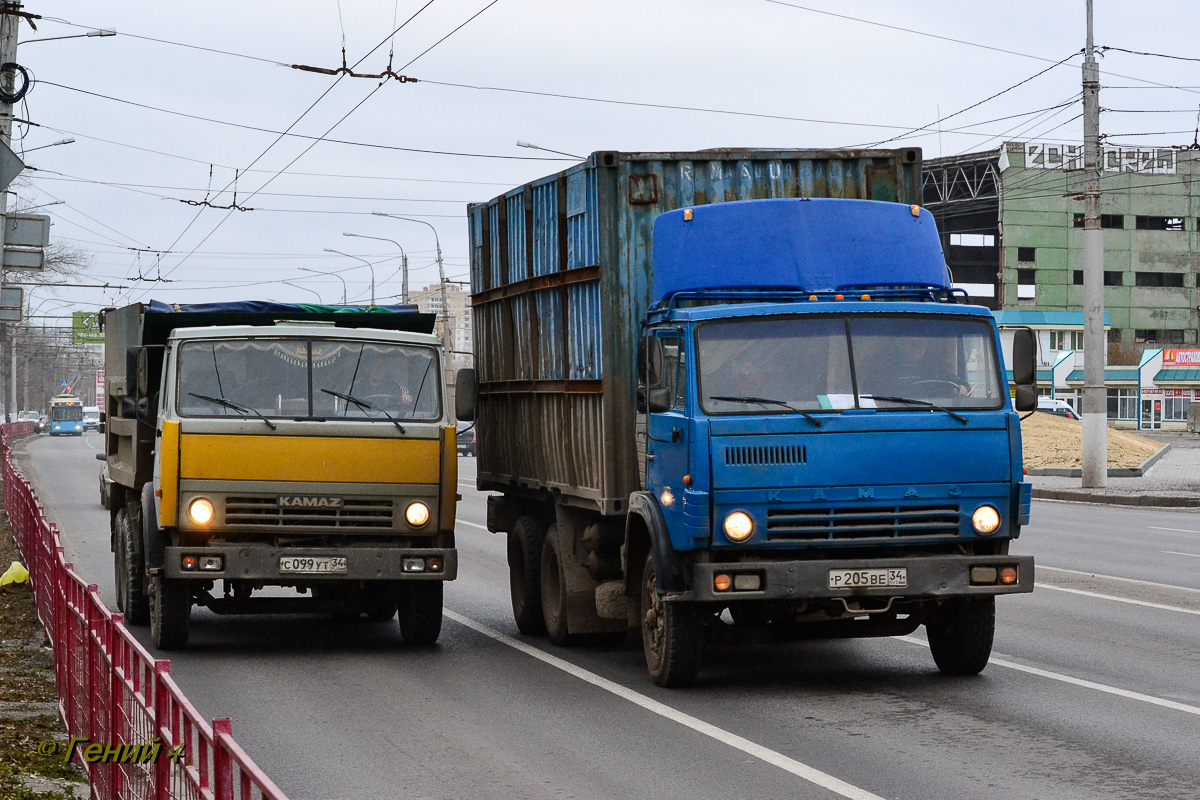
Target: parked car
<point x="1059" y="408"/>
<point x="466" y="439"/>
<point x="105" y="487"/>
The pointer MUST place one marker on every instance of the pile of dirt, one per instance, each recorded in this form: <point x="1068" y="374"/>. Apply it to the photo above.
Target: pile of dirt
<point x="1050" y="441"/>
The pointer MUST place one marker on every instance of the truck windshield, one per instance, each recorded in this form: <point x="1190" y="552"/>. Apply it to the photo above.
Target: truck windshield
<point x="284" y="378"/>
<point x="886" y="361"/>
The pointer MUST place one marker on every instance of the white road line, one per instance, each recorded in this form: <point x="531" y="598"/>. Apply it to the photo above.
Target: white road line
<point x="467" y="485"/>
<point x="472" y="524"/>
<point x="1173" y="530"/>
<point x="1041" y="567"/>
<point x="797" y="768"/>
<point x="1177" y="553"/>
<point x="1099" y="687"/>
<point x="1118" y="599"/>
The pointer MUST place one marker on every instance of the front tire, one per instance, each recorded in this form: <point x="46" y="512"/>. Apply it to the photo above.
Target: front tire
<point x="960" y="635"/>
<point x="170" y="612"/>
<point x="130" y="573"/>
<point x="672" y="634"/>
<point x="420" y="609"/>
<point x="524" y="574"/>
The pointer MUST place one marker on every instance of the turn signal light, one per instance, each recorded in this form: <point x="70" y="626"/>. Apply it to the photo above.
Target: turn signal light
<point x="434" y="564"/>
<point x="722" y="583"/>
<point x="1008" y="575"/>
<point x="187" y="563"/>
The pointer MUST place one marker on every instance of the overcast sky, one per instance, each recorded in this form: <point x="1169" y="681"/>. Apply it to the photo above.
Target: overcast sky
<point x="840" y="81"/>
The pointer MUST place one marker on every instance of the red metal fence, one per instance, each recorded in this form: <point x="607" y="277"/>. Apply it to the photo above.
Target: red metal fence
<point x="112" y="692"/>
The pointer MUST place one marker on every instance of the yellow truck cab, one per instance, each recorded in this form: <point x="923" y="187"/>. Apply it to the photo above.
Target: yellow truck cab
<point x="307" y="450"/>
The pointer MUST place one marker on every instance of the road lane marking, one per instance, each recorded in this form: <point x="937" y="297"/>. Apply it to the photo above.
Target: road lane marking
<point x="1040" y="567"/>
<point x="1118" y="599"/>
<point x="797" y="768"/>
<point x="1173" y="530"/>
<point x="472" y="524"/>
<point x="1099" y="687"/>
<point x="1177" y="553"/>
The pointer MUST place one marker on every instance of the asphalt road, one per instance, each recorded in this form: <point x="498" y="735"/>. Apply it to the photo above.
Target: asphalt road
<point x="1093" y="690"/>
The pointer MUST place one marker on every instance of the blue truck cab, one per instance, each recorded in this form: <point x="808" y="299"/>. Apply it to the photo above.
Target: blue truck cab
<point x="789" y="425"/>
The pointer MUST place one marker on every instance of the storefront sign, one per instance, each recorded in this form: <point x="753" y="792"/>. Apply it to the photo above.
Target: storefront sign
<point x="1181" y="358"/>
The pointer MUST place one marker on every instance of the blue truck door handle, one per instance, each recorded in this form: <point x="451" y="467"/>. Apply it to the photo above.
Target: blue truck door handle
<point x="676" y="435"/>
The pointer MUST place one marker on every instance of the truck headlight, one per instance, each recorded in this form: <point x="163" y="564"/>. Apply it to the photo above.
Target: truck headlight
<point x="417" y="514"/>
<point x="201" y="511"/>
<point x="738" y="526"/>
<point x="985" y="520"/>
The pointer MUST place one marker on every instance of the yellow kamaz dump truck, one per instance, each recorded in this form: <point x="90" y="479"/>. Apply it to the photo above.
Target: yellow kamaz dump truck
<point x="274" y="458"/>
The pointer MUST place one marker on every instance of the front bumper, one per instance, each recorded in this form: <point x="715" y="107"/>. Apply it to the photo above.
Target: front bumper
<point x="261" y="563"/>
<point x="928" y="577"/>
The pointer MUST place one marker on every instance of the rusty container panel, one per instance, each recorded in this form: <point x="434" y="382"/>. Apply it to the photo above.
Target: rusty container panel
<point x="561" y="274"/>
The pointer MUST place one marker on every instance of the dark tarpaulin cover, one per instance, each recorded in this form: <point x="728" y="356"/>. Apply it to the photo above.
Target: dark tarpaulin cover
<point x="269" y="307"/>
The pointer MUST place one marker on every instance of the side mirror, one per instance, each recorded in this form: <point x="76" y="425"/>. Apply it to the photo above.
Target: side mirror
<point x="1024" y="357"/>
<point x="1027" y="397"/>
<point x="137" y="370"/>
<point x="465" y="387"/>
<point x="128" y="408"/>
<point x="654" y="400"/>
<point x="1024" y="362"/>
<point x="650" y="361"/>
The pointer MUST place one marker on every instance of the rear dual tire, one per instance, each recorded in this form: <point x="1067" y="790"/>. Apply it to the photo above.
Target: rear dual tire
<point x="130" y="573"/>
<point x="525" y="544"/>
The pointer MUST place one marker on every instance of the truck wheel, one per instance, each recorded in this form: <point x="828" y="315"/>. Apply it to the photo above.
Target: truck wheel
<point x="421" y="612"/>
<point x="524" y="575"/>
<point x="130" y="573"/>
<point x="170" y="612"/>
<point x="960" y="635"/>
<point x="554" y="591"/>
<point x="381" y="611"/>
<point x="672" y="634"/>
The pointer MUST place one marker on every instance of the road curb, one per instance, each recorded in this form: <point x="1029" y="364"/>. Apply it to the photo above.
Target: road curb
<point x="1121" y="472"/>
<point x="1100" y="498"/>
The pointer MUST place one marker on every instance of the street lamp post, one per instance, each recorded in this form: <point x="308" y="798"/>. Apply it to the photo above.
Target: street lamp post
<point x="305" y="288"/>
<point x="334" y="274"/>
<point x="441" y="276"/>
<point x="403" y="262"/>
<point x="370" y="266"/>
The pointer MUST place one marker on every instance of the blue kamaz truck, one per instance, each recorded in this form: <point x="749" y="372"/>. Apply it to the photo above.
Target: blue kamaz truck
<point x="733" y="391"/>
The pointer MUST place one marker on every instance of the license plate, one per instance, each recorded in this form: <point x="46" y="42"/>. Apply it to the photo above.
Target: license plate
<point x="889" y="578"/>
<point x="313" y="565"/>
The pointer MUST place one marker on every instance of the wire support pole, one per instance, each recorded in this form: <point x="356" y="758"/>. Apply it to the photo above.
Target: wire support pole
<point x="1095" y="405"/>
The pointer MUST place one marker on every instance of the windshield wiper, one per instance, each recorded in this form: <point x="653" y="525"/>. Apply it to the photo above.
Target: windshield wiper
<point x="910" y="401"/>
<point x="767" y="401"/>
<point x="364" y="404"/>
<point x="221" y="401"/>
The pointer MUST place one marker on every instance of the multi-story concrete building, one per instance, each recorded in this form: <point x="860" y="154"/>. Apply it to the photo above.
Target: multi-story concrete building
<point x="1012" y="220"/>
<point x="458" y="302"/>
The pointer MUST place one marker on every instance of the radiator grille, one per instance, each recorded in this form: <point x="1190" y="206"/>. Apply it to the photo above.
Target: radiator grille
<point x="765" y="455"/>
<point x="873" y="522"/>
<point x="259" y="512"/>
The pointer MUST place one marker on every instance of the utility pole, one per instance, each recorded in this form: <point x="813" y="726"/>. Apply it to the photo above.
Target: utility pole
<point x="8" y="54"/>
<point x="1095" y="405"/>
